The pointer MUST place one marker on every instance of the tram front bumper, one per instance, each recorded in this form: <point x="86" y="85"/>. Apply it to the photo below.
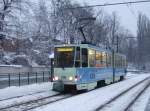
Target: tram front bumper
<point x="58" y="86"/>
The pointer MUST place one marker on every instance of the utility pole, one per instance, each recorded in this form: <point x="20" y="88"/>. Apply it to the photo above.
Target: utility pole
<point x="117" y="44"/>
<point x="113" y="48"/>
<point x="2" y="37"/>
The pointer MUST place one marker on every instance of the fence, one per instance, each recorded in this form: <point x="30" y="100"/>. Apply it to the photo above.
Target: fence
<point x="24" y="78"/>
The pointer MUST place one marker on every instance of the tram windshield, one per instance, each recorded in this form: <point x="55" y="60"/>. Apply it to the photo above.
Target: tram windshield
<point x="64" y="57"/>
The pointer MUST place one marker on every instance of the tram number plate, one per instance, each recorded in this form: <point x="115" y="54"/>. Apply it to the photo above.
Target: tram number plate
<point x="92" y="76"/>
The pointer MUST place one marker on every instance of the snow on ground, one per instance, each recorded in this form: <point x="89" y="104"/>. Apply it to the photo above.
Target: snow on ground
<point x="91" y="100"/>
<point x="26" y="98"/>
<point x="13" y="95"/>
<point x="11" y="66"/>
<point x="15" y="91"/>
<point x="148" y="106"/>
<point x="84" y="102"/>
<point x="140" y="104"/>
<point x="121" y="103"/>
<point x="130" y="75"/>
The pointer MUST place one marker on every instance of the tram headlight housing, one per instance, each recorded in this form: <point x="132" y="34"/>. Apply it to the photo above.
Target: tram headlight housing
<point x="76" y="78"/>
<point x="55" y="78"/>
<point x="70" y="78"/>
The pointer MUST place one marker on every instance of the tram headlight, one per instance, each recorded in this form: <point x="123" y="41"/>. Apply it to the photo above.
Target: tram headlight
<point x="55" y="78"/>
<point x="70" y="78"/>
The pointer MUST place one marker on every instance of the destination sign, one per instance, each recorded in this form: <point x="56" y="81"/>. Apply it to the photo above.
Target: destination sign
<point x="64" y="49"/>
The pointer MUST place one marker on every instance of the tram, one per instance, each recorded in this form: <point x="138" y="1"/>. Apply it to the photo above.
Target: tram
<point x="85" y="67"/>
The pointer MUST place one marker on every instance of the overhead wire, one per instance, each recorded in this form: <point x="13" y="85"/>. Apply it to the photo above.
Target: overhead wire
<point x="109" y="4"/>
<point x="129" y="6"/>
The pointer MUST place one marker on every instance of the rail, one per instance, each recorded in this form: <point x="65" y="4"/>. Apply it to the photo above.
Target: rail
<point x="101" y="107"/>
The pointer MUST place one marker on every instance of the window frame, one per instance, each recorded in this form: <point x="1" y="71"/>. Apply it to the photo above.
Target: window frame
<point x="94" y="57"/>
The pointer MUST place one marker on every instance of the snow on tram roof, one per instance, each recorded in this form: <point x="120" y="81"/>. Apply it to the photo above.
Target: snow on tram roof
<point x="84" y="46"/>
<point x="99" y="48"/>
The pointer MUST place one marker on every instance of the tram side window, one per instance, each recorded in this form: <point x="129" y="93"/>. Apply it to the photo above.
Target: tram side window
<point x="98" y="59"/>
<point x="116" y="61"/>
<point x="108" y="59"/>
<point x="77" y="61"/>
<point x="124" y="62"/>
<point x="91" y="58"/>
<point x="84" y="57"/>
<point x="121" y="61"/>
<point x="104" y="56"/>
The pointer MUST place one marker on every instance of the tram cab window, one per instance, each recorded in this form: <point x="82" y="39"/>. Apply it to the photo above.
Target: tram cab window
<point x="91" y="58"/>
<point x="64" y="57"/>
<point x="84" y="57"/>
<point x="77" y="60"/>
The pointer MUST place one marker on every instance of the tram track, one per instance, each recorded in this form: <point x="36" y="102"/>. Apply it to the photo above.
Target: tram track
<point x="24" y="106"/>
<point x="32" y="104"/>
<point x="10" y="98"/>
<point x="107" y="106"/>
<point x="137" y="97"/>
<point x="8" y="102"/>
<point x="30" y="94"/>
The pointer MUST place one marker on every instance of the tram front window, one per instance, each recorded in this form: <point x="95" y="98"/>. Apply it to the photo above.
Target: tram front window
<point x="64" y="57"/>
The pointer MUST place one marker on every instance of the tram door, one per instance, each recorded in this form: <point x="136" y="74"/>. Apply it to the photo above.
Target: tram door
<point x="84" y="57"/>
<point x="81" y="59"/>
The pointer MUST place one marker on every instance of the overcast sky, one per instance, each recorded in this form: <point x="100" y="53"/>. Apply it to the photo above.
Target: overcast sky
<point x="127" y="13"/>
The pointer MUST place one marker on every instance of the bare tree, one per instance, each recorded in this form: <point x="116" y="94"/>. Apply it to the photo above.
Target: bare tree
<point x="68" y="20"/>
<point x="143" y="35"/>
<point x="10" y="13"/>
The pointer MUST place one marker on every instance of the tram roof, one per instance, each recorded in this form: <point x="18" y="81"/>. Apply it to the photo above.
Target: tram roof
<point x="83" y="46"/>
<point x="87" y="46"/>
